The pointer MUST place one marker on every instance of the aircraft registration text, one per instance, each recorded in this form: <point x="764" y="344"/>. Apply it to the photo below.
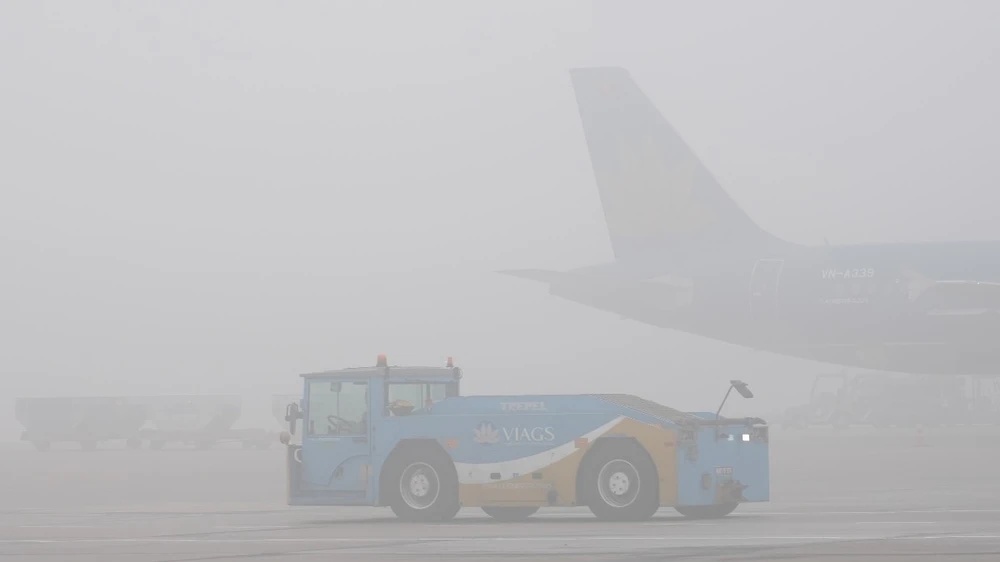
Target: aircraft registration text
<point x="854" y="273"/>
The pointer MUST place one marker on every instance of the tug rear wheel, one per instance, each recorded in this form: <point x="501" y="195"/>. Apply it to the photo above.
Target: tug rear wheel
<point x="620" y="482"/>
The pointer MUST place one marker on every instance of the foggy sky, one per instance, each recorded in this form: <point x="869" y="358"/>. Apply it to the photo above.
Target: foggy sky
<point x="213" y="197"/>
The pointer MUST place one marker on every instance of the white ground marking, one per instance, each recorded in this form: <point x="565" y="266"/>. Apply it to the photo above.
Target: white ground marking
<point x="56" y="527"/>
<point x="414" y="539"/>
<point x="252" y="527"/>
<point x="898" y="523"/>
<point x="572" y="538"/>
<point x="897" y="512"/>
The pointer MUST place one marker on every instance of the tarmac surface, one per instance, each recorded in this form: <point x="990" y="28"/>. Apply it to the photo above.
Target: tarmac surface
<point x="857" y="494"/>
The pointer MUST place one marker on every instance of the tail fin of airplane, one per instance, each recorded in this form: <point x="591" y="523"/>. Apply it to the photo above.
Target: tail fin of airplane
<point x="655" y="192"/>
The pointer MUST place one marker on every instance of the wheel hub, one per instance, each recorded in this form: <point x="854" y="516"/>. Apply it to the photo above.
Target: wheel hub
<point x="419" y="486"/>
<point x="618" y="483"/>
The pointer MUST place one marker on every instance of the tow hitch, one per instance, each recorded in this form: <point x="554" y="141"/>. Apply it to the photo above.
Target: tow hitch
<point x="731" y="491"/>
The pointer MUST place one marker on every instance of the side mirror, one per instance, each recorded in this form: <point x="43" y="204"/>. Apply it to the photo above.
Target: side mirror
<point x="292" y="415"/>
<point x="742" y="388"/>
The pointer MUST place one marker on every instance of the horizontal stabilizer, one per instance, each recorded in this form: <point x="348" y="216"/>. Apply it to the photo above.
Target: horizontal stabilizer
<point x="611" y="292"/>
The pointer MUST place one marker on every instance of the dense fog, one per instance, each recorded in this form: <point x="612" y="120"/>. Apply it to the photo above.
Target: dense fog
<point x="212" y="198"/>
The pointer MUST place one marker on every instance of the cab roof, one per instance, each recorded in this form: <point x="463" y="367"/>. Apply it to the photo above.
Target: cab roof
<point x="394" y="371"/>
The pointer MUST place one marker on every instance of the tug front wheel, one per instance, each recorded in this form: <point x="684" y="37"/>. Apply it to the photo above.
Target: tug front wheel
<point x="422" y="486"/>
<point x="620" y="481"/>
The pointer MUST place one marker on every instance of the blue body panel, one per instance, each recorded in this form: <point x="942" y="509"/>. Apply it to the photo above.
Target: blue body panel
<point x="723" y="459"/>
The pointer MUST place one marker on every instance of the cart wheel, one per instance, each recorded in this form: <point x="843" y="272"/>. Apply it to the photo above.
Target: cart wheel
<point x="504" y="513"/>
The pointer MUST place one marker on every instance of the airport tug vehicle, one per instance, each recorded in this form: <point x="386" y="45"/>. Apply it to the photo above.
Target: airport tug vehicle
<point x="405" y="437"/>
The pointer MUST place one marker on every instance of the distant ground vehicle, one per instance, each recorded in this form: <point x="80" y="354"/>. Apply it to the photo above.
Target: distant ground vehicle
<point x="883" y="400"/>
<point x="203" y="421"/>
<point x="828" y="403"/>
<point x="404" y="437"/>
<point x="84" y="420"/>
<point x="200" y="420"/>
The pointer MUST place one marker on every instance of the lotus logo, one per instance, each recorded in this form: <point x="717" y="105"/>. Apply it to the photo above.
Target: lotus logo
<point x="485" y="434"/>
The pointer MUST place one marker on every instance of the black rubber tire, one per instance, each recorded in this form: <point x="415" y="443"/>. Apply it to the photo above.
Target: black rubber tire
<point x="451" y="510"/>
<point x="716" y="511"/>
<point x="509" y="513"/>
<point x="622" y="464"/>
<point x="436" y="471"/>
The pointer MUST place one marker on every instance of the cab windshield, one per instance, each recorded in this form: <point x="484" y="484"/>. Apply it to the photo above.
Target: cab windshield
<point x="337" y="408"/>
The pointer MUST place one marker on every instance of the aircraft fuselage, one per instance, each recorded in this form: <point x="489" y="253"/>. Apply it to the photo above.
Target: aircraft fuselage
<point x="920" y="308"/>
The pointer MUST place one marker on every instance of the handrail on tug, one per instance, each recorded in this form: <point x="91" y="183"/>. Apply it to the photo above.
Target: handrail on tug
<point x="716" y="422"/>
<point x="744" y="390"/>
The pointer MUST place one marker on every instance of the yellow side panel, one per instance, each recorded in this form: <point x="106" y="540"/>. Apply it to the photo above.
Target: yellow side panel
<point x="528" y="489"/>
<point x="661" y="444"/>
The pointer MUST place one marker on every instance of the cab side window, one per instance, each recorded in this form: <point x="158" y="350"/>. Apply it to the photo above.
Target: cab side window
<point x="418" y="395"/>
